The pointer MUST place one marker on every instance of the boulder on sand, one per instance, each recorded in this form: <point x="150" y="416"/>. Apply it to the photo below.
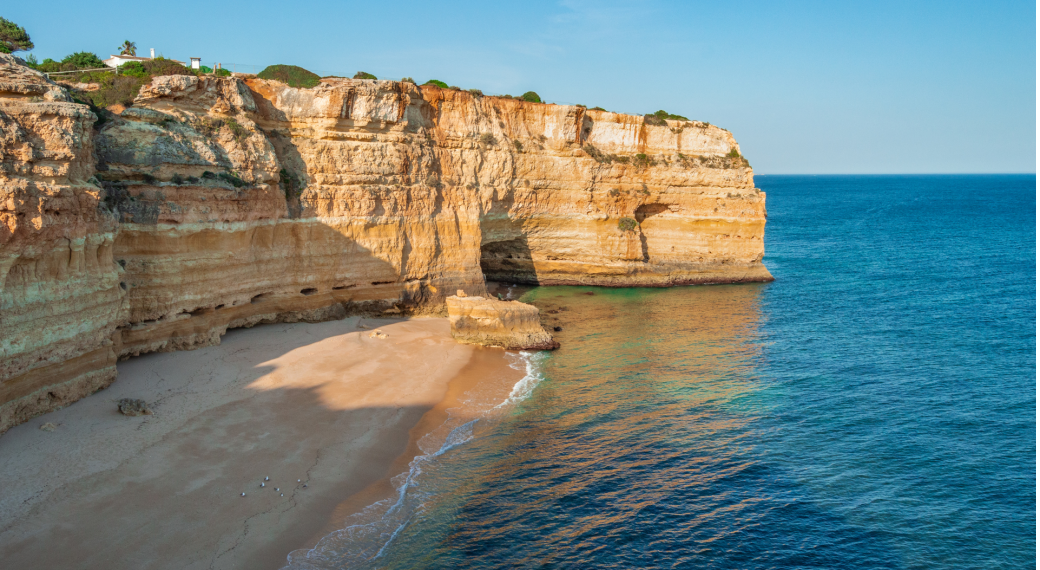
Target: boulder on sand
<point x="489" y="322"/>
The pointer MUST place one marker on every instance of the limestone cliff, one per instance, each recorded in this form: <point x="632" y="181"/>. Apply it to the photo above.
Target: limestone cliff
<point x="62" y="297"/>
<point x="224" y="202"/>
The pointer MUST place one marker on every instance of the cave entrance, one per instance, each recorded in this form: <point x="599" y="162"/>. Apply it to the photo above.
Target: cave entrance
<point x="508" y="261"/>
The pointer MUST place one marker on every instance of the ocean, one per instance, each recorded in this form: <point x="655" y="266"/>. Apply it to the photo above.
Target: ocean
<point x="874" y="407"/>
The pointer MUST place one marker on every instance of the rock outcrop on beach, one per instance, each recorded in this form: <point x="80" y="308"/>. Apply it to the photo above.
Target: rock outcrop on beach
<point x="215" y="203"/>
<point x="492" y="322"/>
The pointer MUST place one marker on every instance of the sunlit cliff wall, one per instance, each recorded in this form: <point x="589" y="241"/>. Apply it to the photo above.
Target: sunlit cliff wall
<point x="224" y="202"/>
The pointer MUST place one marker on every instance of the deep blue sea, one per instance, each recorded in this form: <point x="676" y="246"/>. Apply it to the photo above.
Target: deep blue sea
<point x="874" y="407"/>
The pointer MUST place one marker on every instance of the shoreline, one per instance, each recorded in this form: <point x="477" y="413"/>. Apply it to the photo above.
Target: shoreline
<point x="325" y="403"/>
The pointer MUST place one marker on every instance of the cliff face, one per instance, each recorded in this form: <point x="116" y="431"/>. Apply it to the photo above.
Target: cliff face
<point x="62" y="298"/>
<point x="226" y="202"/>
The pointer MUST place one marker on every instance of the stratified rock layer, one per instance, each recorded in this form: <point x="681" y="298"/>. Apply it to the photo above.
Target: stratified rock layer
<point x="61" y="299"/>
<point x="490" y="322"/>
<point x="215" y="203"/>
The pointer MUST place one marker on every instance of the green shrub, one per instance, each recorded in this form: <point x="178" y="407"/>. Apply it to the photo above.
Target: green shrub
<point x="627" y="224"/>
<point x="654" y="120"/>
<point x="232" y="179"/>
<point x="13" y="37"/>
<point x="666" y="115"/>
<point x="163" y="66"/>
<point x="519" y="146"/>
<point x="733" y="153"/>
<point x="291" y="185"/>
<point x="603" y="157"/>
<point x="114" y="89"/>
<point x="364" y="75"/>
<point x="437" y="82"/>
<point x="291" y="75"/>
<point x="454" y="88"/>
<point x="488" y="139"/>
<point x="83" y="60"/>
<point x="642" y="161"/>
<point x="531" y="97"/>
<point x="407" y="80"/>
<point x="133" y="69"/>
<point x="222" y="73"/>
<point x="476" y="92"/>
<point x="48" y="65"/>
<point x="236" y="129"/>
<point x="598" y="109"/>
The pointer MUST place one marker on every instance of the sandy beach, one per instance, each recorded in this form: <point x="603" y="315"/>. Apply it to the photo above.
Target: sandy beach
<point x="327" y="404"/>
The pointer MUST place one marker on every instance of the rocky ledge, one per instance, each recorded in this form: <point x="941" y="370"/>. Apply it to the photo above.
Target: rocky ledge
<point x="489" y="322"/>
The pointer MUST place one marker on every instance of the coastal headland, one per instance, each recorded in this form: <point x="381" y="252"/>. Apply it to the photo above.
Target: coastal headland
<point x="215" y="203"/>
<point x="218" y="203"/>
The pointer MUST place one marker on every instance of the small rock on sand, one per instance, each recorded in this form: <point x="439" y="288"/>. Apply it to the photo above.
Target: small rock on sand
<point x="378" y="334"/>
<point x="48" y="427"/>
<point x="130" y="407"/>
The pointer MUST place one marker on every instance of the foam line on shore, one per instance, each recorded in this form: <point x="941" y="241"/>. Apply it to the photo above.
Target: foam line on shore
<point x="360" y="544"/>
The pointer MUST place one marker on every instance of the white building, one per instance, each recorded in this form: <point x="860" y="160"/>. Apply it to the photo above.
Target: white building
<point x="117" y="60"/>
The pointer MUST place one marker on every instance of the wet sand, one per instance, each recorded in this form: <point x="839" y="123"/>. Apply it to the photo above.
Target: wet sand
<point x="324" y="403"/>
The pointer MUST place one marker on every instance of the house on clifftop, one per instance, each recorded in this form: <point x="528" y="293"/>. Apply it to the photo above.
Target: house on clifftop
<point x="117" y="60"/>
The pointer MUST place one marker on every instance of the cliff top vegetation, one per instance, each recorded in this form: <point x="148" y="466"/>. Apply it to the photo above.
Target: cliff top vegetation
<point x="531" y="97"/>
<point x="122" y="88"/>
<point x="13" y="37"/>
<point x="659" y="118"/>
<point x="291" y="75"/>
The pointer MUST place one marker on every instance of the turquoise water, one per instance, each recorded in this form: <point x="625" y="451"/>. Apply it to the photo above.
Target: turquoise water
<point x="874" y="407"/>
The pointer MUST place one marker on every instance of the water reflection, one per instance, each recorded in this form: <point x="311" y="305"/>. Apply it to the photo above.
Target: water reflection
<point x="638" y="448"/>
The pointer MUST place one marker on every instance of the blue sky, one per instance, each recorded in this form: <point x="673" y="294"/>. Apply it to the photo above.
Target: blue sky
<point x="806" y="87"/>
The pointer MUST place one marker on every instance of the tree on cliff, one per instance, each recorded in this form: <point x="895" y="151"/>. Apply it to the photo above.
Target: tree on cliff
<point x="531" y="97"/>
<point x="83" y="60"/>
<point x="128" y="48"/>
<point x="13" y="37"/>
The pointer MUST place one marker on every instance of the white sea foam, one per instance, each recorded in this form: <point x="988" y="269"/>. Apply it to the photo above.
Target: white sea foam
<point x="526" y="385"/>
<point x="369" y="533"/>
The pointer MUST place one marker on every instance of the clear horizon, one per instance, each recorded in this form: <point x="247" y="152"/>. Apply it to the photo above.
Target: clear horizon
<point x="806" y="88"/>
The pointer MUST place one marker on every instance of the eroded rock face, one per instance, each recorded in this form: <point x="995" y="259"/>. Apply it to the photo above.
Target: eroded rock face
<point x="215" y="203"/>
<point x="490" y="322"/>
<point x="61" y="298"/>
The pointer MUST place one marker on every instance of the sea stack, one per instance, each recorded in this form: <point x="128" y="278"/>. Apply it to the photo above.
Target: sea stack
<point x="489" y="322"/>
